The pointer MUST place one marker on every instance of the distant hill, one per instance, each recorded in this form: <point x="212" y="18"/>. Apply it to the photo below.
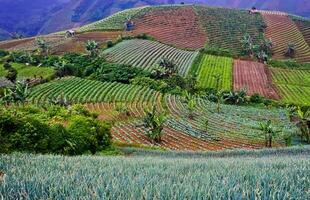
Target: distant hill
<point x="46" y="16"/>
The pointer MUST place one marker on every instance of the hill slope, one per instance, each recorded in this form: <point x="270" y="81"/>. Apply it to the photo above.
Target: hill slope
<point x="32" y="17"/>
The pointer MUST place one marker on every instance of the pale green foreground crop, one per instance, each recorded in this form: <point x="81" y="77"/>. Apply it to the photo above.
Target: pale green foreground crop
<point x="88" y="177"/>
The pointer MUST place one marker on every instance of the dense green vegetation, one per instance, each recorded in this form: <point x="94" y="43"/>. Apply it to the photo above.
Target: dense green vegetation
<point x="226" y="27"/>
<point x="289" y="64"/>
<point x="52" y="129"/>
<point x="266" y="177"/>
<point x="212" y="66"/>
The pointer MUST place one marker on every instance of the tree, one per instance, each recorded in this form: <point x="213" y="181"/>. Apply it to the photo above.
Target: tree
<point x="291" y="50"/>
<point x="191" y="107"/>
<point x="268" y="131"/>
<point x="92" y="48"/>
<point x="43" y="47"/>
<point x="154" y="123"/>
<point x="248" y="45"/>
<point x="12" y="74"/>
<point x="18" y="95"/>
<point x="304" y="118"/>
<point x="169" y="66"/>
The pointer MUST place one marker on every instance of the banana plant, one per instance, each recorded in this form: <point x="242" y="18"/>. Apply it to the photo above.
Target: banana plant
<point x="268" y="131"/>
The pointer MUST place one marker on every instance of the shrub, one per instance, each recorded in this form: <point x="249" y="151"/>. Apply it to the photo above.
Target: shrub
<point x="53" y="129"/>
<point x="3" y="53"/>
<point x="217" y="51"/>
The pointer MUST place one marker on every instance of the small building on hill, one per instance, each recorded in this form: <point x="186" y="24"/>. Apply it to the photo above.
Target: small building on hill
<point x="253" y="10"/>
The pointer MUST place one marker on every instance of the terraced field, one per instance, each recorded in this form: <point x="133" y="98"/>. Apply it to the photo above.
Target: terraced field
<point x="283" y="31"/>
<point x="304" y="27"/>
<point x="226" y="27"/>
<point x="182" y="28"/>
<point x="83" y="91"/>
<point x="114" y="22"/>
<point x="255" y="78"/>
<point x="146" y="54"/>
<point x="234" y="127"/>
<point x="294" y="85"/>
<point x="211" y="66"/>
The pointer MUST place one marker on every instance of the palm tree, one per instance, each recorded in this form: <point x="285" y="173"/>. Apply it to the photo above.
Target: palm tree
<point x="169" y="66"/>
<point x="92" y="48"/>
<point x="304" y="118"/>
<point x="291" y="50"/>
<point x="43" y="47"/>
<point x="154" y="122"/>
<point x="21" y="92"/>
<point x="268" y="131"/>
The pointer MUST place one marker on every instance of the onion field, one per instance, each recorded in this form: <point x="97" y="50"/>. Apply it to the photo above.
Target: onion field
<point x="146" y="177"/>
<point x="114" y="22"/>
<point x="147" y="54"/>
<point x="293" y="85"/>
<point x="209" y="67"/>
<point x="80" y="90"/>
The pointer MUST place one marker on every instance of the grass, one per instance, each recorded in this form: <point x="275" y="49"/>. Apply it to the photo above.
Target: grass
<point x="211" y="66"/>
<point x="29" y="71"/>
<point x="94" y="177"/>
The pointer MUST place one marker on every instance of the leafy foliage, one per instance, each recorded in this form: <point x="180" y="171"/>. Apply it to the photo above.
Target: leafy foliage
<point x="52" y="129"/>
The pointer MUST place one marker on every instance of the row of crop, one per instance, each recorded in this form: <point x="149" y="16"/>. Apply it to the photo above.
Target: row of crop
<point x="114" y="22"/>
<point x="226" y="27"/>
<point x="292" y="84"/>
<point x="82" y="91"/>
<point x="232" y="123"/>
<point x="212" y="66"/>
<point x="147" y="54"/>
<point x="282" y="31"/>
<point x="295" y="94"/>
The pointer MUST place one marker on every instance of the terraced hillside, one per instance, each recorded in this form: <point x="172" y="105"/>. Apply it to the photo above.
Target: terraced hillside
<point x="293" y="85"/>
<point x="182" y="26"/>
<point x="234" y="127"/>
<point x="282" y="31"/>
<point x="79" y="90"/>
<point x="146" y="54"/>
<point x="304" y="27"/>
<point x="254" y="77"/>
<point x="226" y="27"/>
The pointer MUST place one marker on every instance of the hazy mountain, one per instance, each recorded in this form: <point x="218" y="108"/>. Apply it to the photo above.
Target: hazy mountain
<point x="32" y="17"/>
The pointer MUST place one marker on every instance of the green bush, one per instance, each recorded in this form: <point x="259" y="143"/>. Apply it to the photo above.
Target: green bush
<point x="3" y="53"/>
<point x="288" y="64"/>
<point x="52" y="129"/>
<point x="217" y="51"/>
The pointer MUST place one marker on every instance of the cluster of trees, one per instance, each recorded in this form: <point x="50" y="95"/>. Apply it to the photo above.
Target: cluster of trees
<point x="52" y="129"/>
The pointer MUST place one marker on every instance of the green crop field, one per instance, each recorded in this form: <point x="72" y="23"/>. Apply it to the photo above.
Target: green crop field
<point x="294" y="85"/>
<point x="147" y="54"/>
<point x="82" y="91"/>
<point x="29" y="71"/>
<point x="114" y="22"/>
<point x="94" y="177"/>
<point x="211" y="66"/>
<point x="226" y="27"/>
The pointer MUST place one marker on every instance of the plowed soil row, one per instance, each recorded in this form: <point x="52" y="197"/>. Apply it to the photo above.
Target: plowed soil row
<point x="255" y="77"/>
<point x="178" y="27"/>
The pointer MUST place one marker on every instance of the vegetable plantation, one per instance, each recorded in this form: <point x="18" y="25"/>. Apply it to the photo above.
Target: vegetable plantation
<point x="147" y="54"/>
<point x="80" y="90"/>
<point x="226" y="27"/>
<point x="114" y="22"/>
<point x="92" y="177"/>
<point x="211" y="66"/>
<point x="293" y="85"/>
